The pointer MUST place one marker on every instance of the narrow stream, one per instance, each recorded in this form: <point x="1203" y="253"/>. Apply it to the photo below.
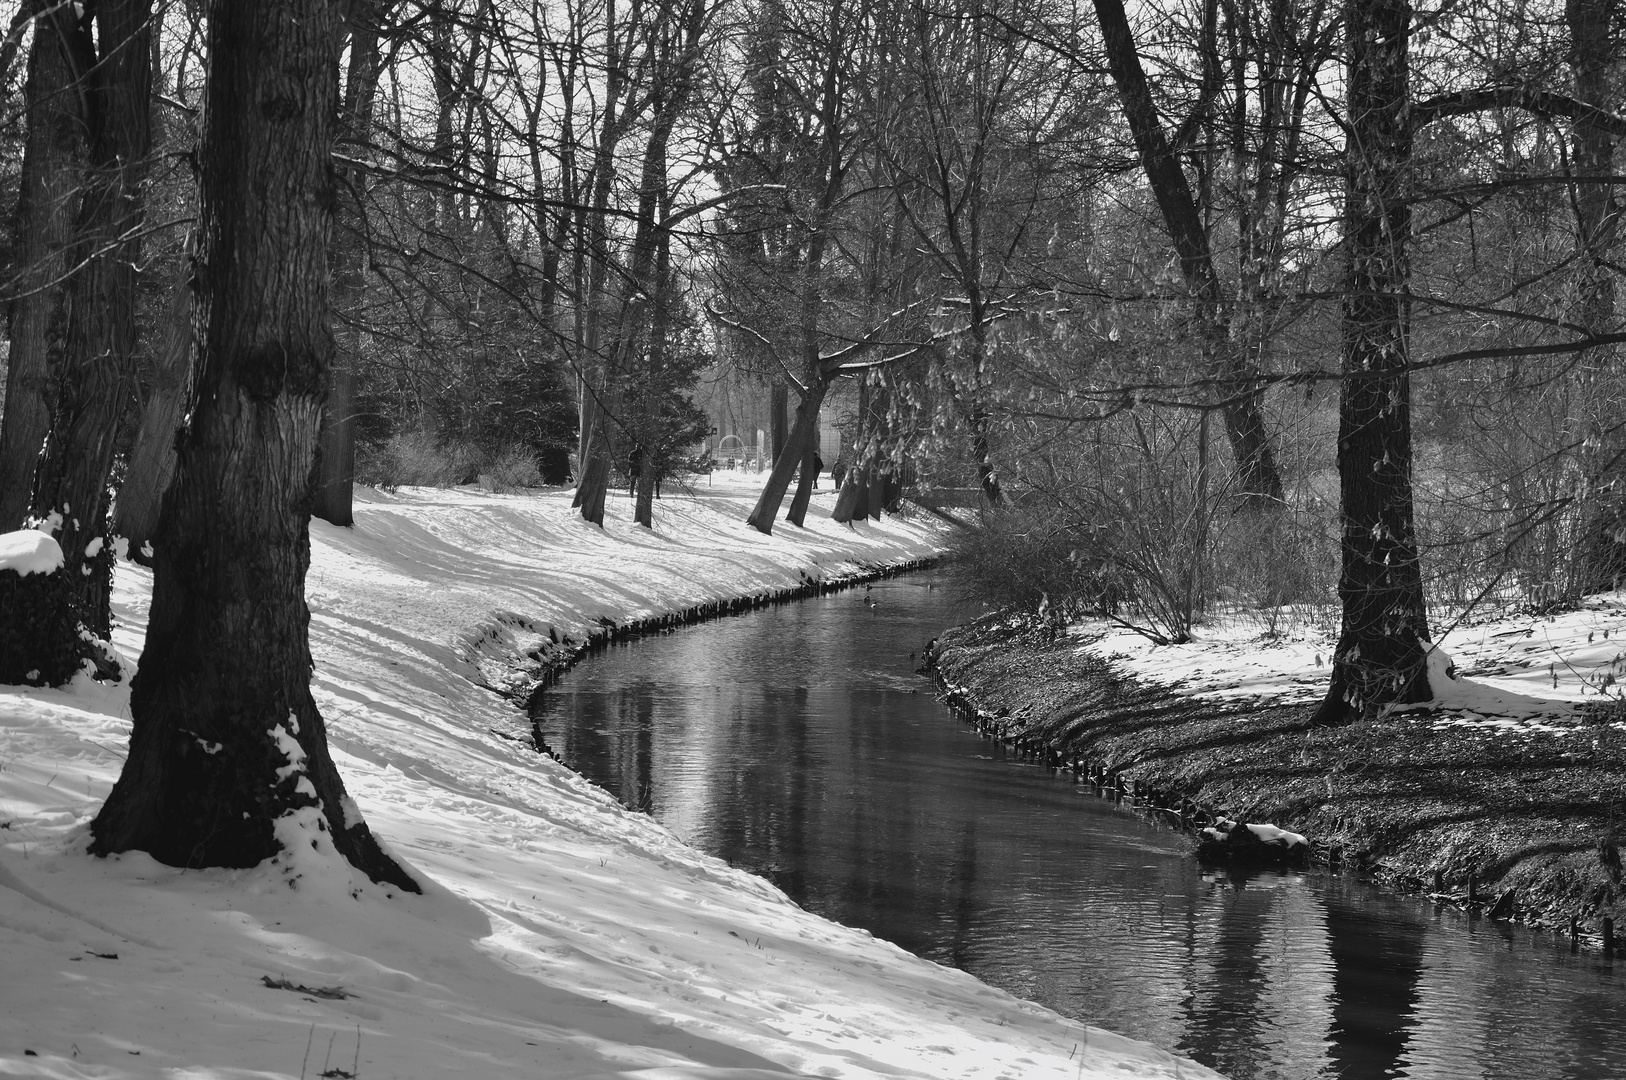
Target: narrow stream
<point x="798" y="742"/>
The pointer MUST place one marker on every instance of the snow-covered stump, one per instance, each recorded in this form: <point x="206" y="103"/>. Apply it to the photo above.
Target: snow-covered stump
<point x="1239" y="842"/>
<point x="39" y="638"/>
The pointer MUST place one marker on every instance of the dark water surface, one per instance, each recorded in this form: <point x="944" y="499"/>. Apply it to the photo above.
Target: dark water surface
<point x="798" y="742"/>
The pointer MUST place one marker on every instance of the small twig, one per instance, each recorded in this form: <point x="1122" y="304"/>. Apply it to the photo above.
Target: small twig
<point x="308" y="1040"/>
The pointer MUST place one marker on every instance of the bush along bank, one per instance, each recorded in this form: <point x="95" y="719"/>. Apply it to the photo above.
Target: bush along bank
<point x="1518" y="825"/>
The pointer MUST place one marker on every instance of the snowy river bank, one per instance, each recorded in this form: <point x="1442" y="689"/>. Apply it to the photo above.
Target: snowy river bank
<point x="1494" y="791"/>
<point x="560" y="935"/>
<point x="799" y="743"/>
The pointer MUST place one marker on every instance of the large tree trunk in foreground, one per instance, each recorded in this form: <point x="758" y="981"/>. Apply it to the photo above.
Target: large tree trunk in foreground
<point x="1381" y="658"/>
<point x="152" y="459"/>
<point x="92" y="336"/>
<point x="228" y="762"/>
<point x="1259" y="479"/>
<point x="47" y="207"/>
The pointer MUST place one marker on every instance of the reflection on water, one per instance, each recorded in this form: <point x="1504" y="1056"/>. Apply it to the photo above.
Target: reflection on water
<point x="797" y="742"/>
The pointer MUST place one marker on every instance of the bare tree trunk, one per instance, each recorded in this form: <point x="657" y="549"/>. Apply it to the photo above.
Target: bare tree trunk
<point x="228" y="762"/>
<point x="92" y="336"/>
<point x="1381" y="657"/>
<point x="644" y="506"/>
<point x="152" y="459"/>
<point x="1260" y="480"/>
<point x="818" y="373"/>
<point x="673" y="51"/>
<point x="805" y="476"/>
<point x="594" y="369"/>
<point x="332" y="498"/>
<point x="852" y="504"/>
<point x="47" y="207"/>
<point x="1600" y="562"/>
<point x="594" y="486"/>
<point x="779" y="415"/>
<point x="785" y="465"/>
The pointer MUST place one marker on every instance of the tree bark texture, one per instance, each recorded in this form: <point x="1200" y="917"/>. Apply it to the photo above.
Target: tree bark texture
<point x="332" y="497"/>
<point x="654" y="458"/>
<point x="47" y="207"/>
<point x="1259" y="478"/>
<point x="805" y="477"/>
<point x="643" y="512"/>
<point x="672" y="52"/>
<point x="1600" y="561"/>
<point x="825" y="189"/>
<point x="852" y="502"/>
<point x="779" y="415"/>
<point x="152" y="458"/>
<point x="92" y="334"/>
<point x="785" y="465"/>
<point x="228" y="762"/>
<point x="592" y="366"/>
<point x="1381" y="657"/>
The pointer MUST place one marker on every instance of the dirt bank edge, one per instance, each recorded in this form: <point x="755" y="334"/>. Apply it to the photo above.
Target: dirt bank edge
<point x="1522" y="825"/>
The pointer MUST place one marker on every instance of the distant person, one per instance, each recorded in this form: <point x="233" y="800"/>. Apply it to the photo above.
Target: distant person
<point x="837" y="471"/>
<point x="635" y="465"/>
<point x="818" y="467"/>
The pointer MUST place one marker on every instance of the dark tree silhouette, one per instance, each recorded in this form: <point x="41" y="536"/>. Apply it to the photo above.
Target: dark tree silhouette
<point x="1261" y="482"/>
<point x="47" y="205"/>
<point x="228" y="748"/>
<point x="1381" y="657"/>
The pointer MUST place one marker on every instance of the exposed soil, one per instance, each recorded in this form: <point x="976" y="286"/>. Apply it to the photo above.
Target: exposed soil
<point x="1532" y="819"/>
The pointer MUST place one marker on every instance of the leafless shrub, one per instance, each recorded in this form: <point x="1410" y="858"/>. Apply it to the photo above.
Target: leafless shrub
<point x="417" y="459"/>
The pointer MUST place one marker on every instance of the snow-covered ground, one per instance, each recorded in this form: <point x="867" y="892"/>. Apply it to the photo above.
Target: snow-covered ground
<point x="561" y="935"/>
<point x="1518" y="671"/>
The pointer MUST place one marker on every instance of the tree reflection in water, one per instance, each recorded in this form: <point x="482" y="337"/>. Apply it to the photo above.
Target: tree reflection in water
<point x="798" y="743"/>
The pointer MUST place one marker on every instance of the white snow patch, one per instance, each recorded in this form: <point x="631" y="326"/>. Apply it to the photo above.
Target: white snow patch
<point x="1514" y="673"/>
<point x="560" y="935"/>
<point x="1267" y="834"/>
<point x="291" y="750"/>
<point x="29" y="551"/>
<point x="1270" y="834"/>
